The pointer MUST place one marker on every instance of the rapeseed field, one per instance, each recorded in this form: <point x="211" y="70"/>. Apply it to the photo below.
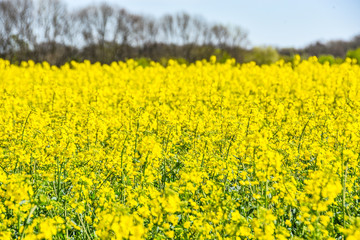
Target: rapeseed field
<point x="204" y="151"/>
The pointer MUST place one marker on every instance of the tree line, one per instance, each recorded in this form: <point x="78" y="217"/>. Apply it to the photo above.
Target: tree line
<point x="45" y="30"/>
<point x="332" y="51"/>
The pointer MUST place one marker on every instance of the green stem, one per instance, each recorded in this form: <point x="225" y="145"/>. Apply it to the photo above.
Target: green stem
<point x="345" y="168"/>
<point x="26" y="221"/>
<point x="24" y="126"/>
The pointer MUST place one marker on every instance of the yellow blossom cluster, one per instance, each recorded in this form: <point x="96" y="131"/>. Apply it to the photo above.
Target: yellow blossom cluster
<point x="199" y="151"/>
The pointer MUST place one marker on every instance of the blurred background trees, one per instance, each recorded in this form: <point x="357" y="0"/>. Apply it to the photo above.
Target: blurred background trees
<point x="44" y="30"/>
<point x="263" y="55"/>
<point x="354" y="54"/>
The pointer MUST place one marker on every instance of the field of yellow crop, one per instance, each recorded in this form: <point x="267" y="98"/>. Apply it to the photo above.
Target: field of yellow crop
<point x="205" y="151"/>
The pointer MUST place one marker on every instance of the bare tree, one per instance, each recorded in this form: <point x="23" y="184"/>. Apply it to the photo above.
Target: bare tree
<point x="238" y="37"/>
<point x="137" y="29"/>
<point x="122" y="29"/>
<point x="96" y="23"/>
<point x="7" y="19"/>
<point x="52" y="21"/>
<point x="183" y="27"/>
<point x="167" y="28"/>
<point x="151" y="30"/>
<point x="106" y="16"/>
<point x="220" y="34"/>
<point x="198" y="31"/>
<point x="17" y="24"/>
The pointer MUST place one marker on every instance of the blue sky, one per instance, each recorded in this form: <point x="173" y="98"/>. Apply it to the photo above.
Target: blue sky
<point x="280" y="23"/>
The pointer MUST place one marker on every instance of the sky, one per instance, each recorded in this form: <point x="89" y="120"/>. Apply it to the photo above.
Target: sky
<point x="278" y="23"/>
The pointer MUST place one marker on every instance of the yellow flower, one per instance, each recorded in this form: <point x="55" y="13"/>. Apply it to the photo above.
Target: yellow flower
<point x="227" y="150"/>
<point x="187" y="224"/>
<point x="288" y="223"/>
